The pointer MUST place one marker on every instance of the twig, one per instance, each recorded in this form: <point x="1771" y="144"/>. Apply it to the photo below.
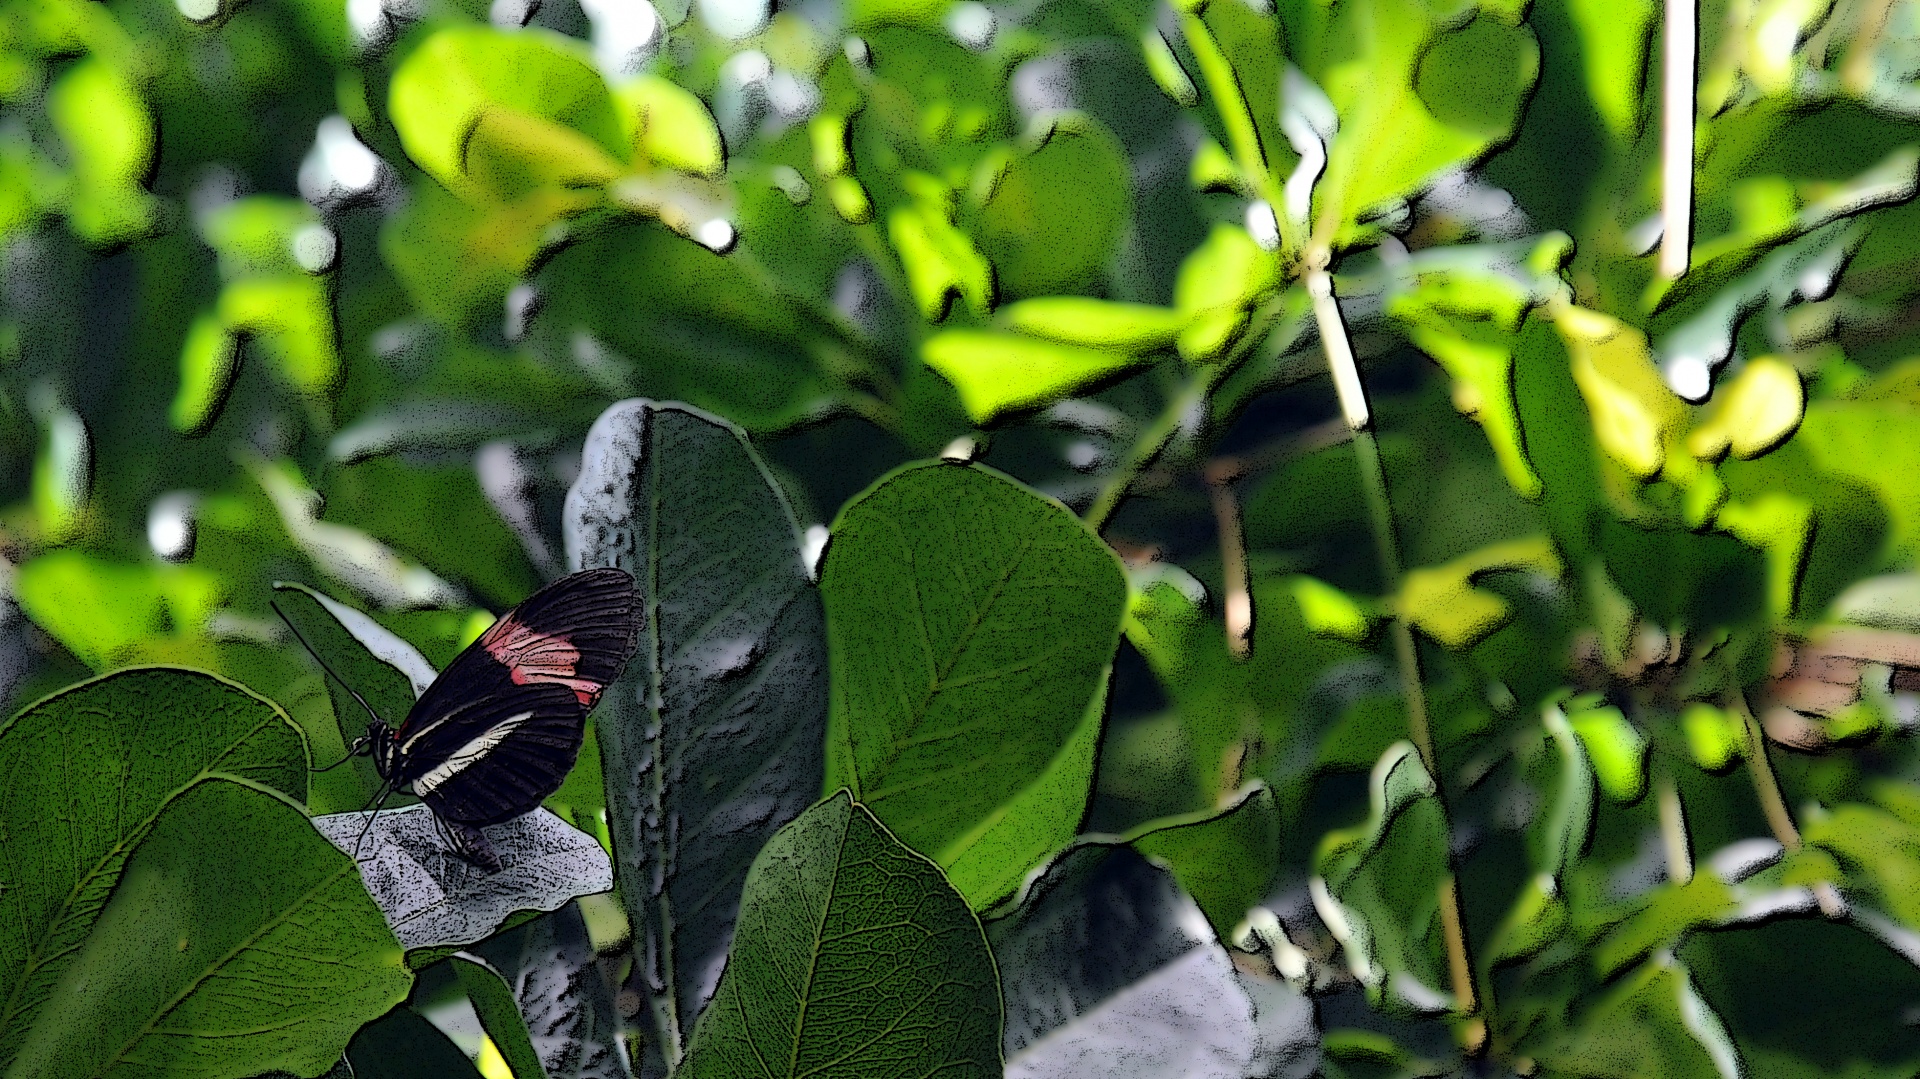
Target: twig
<point x="1673" y="832"/>
<point x="1767" y="786"/>
<point x="1676" y="137"/>
<point x="1233" y="565"/>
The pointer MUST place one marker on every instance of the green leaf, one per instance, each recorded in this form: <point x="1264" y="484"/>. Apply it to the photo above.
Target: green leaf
<point x="1443" y="602"/>
<point x="1419" y="87"/>
<point x="969" y="621"/>
<point x="1617" y="748"/>
<point x="712" y="738"/>
<point x="104" y="610"/>
<point x="1713" y="736"/>
<point x="1133" y="328"/>
<point x="209" y="360"/>
<point x="237" y="940"/>
<point x="156" y="732"/>
<point x="996" y="373"/>
<point x="499" y="1014"/>
<point x="1378" y="886"/>
<point x="1224" y="859"/>
<point x="110" y="140"/>
<point x="1106" y="964"/>
<point x="1654" y="1023"/>
<point x="670" y="126"/>
<point x="563" y="993"/>
<point x="1055" y="217"/>
<point x="940" y="261"/>
<point x="442" y="88"/>
<point x="987" y="864"/>
<point x="1560" y="836"/>
<point x="1615" y="36"/>
<point x="436" y="902"/>
<point x="290" y="318"/>
<point x="853" y="957"/>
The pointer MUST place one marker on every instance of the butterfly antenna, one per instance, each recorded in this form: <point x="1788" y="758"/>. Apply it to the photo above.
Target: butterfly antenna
<point x="323" y="666"/>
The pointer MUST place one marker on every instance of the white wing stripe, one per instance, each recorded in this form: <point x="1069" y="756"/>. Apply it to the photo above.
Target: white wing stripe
<point x="469" y="753"/>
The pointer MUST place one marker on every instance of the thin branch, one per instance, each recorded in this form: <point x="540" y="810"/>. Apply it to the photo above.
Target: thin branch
<point x="1673" y="832"/>
<point x="1772" y="803"/>
<point x="1676" y="137"/>
<point x="1233" y="565"/>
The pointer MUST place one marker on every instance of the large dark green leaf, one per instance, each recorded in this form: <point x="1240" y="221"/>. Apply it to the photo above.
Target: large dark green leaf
<point x="970" y="620"/>
<point x="1110" y="970"/>
<point x="83" y="775"/>
<point x="712" y="738"/>
<point x="854" y="957"/>
<point x="237" y="941"/>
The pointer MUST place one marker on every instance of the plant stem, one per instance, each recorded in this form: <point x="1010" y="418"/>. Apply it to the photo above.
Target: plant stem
<point x="1233" y="566"/>
<point x="1152" y="442"/>
<point x="1333" y="338"/>
<point x="1380" y="512"/>
<point x="1676" y="137"/>
<point x="1765" y="784"/>
<point x="1194" y="395"/>
<point x="1673" y="832"/>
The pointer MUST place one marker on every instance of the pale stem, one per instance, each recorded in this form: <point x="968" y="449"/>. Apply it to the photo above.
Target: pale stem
<point x="1676" y="137"/>
<point x="1767" y="786"/>
<point x="1673" y="832"/>
<point x="1233" y="568"/>
<point x="1333" y="336"/>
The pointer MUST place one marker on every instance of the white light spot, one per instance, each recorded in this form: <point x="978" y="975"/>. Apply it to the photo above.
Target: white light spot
<point x="734" y="18"/>
<point x="812" y="546"/>
<point x="716" y="235"/>
<point x="511" y="14"/>
<point x="626" y="34"/>
<point x="961" y="449"/>
<point x="315" y="247"/>
<point x="170" y="525"/>
<point x="339" y="164"/>
<point x="368" y="21"/>
<point x="858" y="54"/>
<point x="1689" y="377"/>
<point x="972" y="24"/>
<point x="1085" y="456"/>
<point x="198" y="10"/>
<point x="1262" y="225"/>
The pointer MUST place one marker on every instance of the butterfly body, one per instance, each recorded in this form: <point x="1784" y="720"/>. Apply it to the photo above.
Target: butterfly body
<point x="501" y="727"/>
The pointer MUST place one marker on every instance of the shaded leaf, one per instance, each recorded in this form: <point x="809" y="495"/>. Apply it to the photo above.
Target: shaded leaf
<point x="1109" y="969"/>
<point x="236" y="941"/>
<point x="563" y="994"/>
<point x="853" y="957"/>
<point x="712" y="738"/>
<point x="68" y="830"/>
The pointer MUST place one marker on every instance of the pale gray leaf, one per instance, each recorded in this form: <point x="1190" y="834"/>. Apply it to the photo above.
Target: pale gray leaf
<point x="1110" y="971"/>
<point x="714" y="736"/>
<point x="433" y="898"/>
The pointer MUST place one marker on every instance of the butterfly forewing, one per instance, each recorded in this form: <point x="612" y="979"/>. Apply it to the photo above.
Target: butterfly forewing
<point x="500" y="728"/>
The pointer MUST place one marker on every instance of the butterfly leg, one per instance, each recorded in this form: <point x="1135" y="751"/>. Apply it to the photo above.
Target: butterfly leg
<point x="471" y="844"/>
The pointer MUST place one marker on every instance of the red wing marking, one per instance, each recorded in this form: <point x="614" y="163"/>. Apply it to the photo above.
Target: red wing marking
<point x="531" y="656"/>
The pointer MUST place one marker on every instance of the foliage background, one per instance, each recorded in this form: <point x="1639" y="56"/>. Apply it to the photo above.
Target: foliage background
<point x="1559" y="723"/>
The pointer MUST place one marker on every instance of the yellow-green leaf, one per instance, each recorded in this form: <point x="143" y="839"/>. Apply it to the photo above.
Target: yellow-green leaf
<point x="997" y="372"/>
<point x="1755" y="412"/>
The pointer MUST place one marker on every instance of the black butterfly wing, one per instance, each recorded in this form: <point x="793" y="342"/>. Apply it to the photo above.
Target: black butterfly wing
<point x="578" y="632"/>
<point x="496" y="757"/>
<point x="510" y="711"/>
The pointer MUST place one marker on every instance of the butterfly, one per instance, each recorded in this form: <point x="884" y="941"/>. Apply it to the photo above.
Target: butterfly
<point x="500" y="728"/>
